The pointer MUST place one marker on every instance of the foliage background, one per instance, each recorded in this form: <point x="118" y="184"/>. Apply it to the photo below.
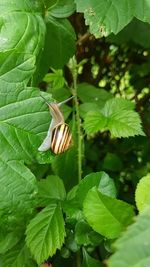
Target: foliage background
<point x="109" y="77"/>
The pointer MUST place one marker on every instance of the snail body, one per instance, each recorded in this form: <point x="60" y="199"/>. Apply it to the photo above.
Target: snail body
<point x="59" y="137"/>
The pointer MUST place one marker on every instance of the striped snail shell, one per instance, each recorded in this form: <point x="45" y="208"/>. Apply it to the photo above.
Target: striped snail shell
<point x="59" y="137"/>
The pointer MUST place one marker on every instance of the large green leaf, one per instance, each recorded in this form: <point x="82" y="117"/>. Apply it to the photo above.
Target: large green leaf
<point x="18" y="256"/>
<point x="19" y="50"/>
<point x="142" y="196"/>
<point x="106" y="215"/>
<point x="59" y="45"/>
<point x="133" y="246"/>
<point x="105" y="17"/>
<point x="99" y="179"/>
<point x="46" y="232"/>
<point x="23" y="124"/>
<point x="117" y="116"/>
<point x="8" y="240"/>
<point x="137" y="31"/>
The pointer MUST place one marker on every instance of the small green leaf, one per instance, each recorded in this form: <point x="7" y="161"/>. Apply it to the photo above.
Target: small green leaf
<point x="51" y="188"/>
<point x="56" y="79"/>
<point x="142" y="195"/>
<point x="46" y="232"/>
<point x="133" y="246"/>
<point x="106" y="215"/>
<point x="99" y="179"/>
<point x="88" y="261"/>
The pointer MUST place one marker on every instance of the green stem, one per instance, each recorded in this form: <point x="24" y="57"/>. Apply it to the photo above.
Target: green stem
<point x="78" y="258"/>
<point x="78" y="120"/>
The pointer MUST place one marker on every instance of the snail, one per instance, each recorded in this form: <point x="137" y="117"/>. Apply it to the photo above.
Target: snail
<point x="59" y="137"/>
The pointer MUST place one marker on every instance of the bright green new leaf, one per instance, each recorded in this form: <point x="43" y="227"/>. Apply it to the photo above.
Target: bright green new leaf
<point x="51" y="188"/>
<point x="106" y="215"/>
<point x="115" y="105"/>
<point x="117" y="116"/>
<point x="63" y="9"/>
<point x="56" y="79"/>
<point x="142" y="193"/>
<point x="88" y="261"/>
<point x="105" y="17"/>
<point x="46" y="232"/>
<point x="133" y="246"/>
<point x="101" y="180"/>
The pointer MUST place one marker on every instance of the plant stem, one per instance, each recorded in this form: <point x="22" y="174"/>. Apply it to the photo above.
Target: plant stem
<point x="78" y="258"/>
<point x="78" y="120"/>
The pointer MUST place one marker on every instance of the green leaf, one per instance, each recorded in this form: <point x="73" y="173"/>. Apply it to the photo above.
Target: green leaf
<point x="56" y="78"/>
<point x="51" y="188"/>
<point x="84" y="235"/>
<point x="63" y="9"/>
<point x="117" y="116"/>
<point x="115" y="105"/>
<point x="88" y="261"/>
<point x="18" y="256"/>
<point x="18" y="190"/>
<point x="101" y="180"/>
<point x="125" y="123"/>
<point x="18" y="49"/>
<point x="59" y="44"/>
<point x="112" y="162"/>
<point x="85" y="107"/>
<point x="105" y="17"/>
<point x="133" y="246"/>
<point x="23" y="124"/>
<point x="8" y="240"/>
<point x="137" y="32"/>
<point x="46" y="232"/>
<point x="94" y="122"/>
<point x="106" y="215"/>
<point x="90" y="94"/>
<point x="142" y="196"/>
<point x="16" y="68"/>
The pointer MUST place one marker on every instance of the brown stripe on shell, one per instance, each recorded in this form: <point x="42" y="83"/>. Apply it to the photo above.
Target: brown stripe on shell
<point x="64" y="136"/>
<point x="61" y="143"/>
